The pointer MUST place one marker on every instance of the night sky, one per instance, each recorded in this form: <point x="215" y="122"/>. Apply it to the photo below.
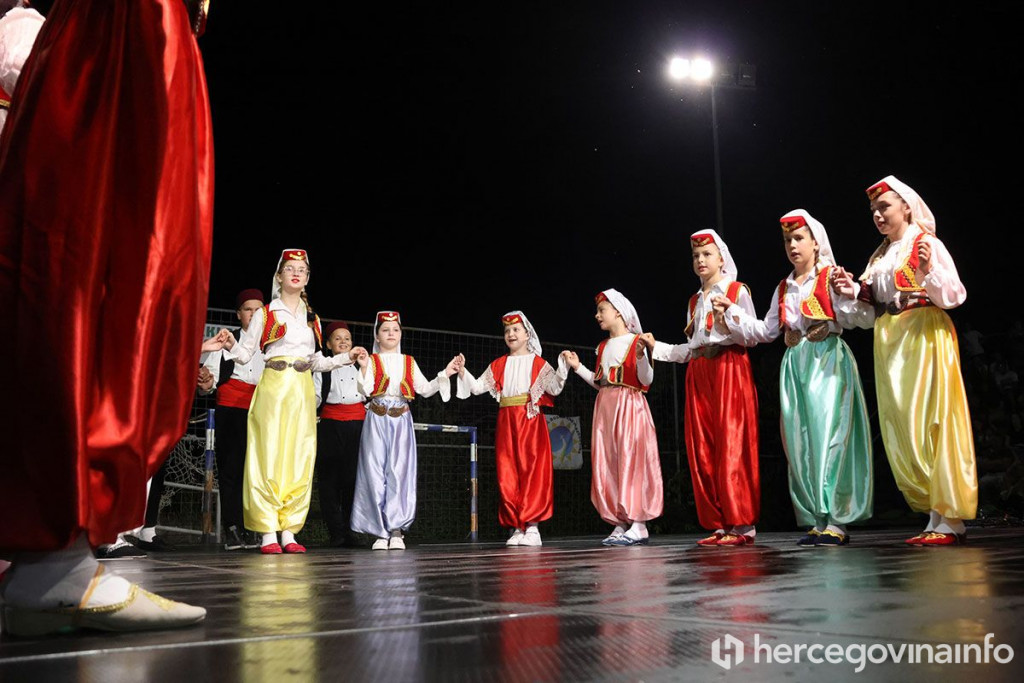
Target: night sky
<point x="457" y="160"/>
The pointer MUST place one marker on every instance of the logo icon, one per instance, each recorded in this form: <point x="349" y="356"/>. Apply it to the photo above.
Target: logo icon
<point x="721" y="655"/>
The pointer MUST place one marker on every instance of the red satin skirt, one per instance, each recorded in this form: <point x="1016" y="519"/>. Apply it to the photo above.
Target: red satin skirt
<point x="522" y="448"/>
<point x="106" y="189"/>
<point x="721" y="439"/>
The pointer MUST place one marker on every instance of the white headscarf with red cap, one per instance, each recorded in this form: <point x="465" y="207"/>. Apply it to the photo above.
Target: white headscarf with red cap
<point x="287" y="255"/>
<point x="825" y="255"/>
<point x="533" y="341"/>
<point x="383" y="317"/>
<point x="625" y="309"/>
<point x="919" y="211"/>
<point x="728" y="265"/>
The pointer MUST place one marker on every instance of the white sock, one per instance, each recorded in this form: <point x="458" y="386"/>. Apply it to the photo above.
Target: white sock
<point x="837" y="529"/>
<point x="147" y="534"/>
<point x="744" y="530"/>
<point x="61" y="578"/>
<point x="287" y="537"/>
<point x="532" y="528"/>
<point x="934" y="518"/>
<point x="269" y="537"/>
<point x="617" y="531"/>
<point x="396" y="533"/>
<point x="638" y="530"/>
<point x="950" y="525"/>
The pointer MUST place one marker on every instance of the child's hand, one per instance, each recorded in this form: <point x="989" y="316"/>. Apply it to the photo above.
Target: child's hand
<point x="648" y="339"/>
<point x="461" y="364"/>
<point x="924" y="256"/>
<point x="205" y="379"/>
<point x="452" y="367"/>
<point x="721" y="303"/>
<point x="359" y="355"/>
<point x="842" y="282"/>
<point x="571" y="359"/>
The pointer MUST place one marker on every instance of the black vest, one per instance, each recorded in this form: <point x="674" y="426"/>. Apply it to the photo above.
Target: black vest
<point x="227" y="367"/>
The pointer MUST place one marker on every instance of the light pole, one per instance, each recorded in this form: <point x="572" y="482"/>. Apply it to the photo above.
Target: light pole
<point x="702" y="71"/>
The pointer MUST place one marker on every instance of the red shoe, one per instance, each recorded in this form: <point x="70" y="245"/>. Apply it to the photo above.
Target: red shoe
<point x="294" y="548"/>
<point x="271" y="549"/>
<point x="713" y="539"/>
<point x="736" y="540"/>
<point x="916" y="540"/>
<point x="935" y="538"/>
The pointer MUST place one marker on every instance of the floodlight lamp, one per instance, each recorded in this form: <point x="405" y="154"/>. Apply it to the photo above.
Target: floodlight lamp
<point x="679" y="68"/>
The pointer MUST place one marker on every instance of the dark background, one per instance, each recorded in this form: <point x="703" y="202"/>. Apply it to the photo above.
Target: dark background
<point x="457" y="160"/>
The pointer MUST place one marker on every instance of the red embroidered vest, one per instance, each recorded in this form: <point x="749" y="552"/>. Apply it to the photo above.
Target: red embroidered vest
<point x="732" y="293"/>
<point x="274" y="331"/>
<point x="817" y="306"/>
<point x="622" y="375"/>
<point x="382" y="381"/>
<point x="906" y="275"/>
<point x="498" y="372"/>
<point x="5" y="99"/>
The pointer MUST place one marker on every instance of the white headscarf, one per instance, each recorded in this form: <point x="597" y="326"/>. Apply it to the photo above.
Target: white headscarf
<point x="625" y="309"/>
<point x="919" y="211"/>
<point x="728" y="265"/>
<point x="533" y="342"/>
<point x="382" y="317"/>
<point x="825" y="255"/>
<point x="275" y="289"/>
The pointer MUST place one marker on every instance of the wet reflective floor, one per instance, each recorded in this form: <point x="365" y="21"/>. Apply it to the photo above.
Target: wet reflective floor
<point x="570" y="611"/>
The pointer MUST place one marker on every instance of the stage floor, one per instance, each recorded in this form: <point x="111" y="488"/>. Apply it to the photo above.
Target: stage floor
<point x="569" y="611"/>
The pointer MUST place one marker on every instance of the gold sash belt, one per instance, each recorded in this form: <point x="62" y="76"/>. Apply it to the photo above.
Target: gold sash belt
<point x="518" y="400"/>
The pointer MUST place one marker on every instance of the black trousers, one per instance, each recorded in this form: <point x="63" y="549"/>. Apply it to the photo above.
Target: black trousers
<point x="231" y="426"/>
<point x="156" y="491"/>
<point x="337" y="457"/>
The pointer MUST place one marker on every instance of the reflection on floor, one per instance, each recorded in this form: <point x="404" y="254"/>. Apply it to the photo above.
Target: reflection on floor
<point x="571" y="610"/>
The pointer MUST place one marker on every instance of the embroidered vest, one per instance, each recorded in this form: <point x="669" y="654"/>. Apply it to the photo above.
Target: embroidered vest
<point x="817" y="306"/>
<point x="732" y="293"/>
<point x="906" y="275"/>
<point x="5" y="99"/>
<point x="274" y="331"/>
<point x="622" y="375"/>
<point x="498" y="372"/>
<point x="382" y="381"/>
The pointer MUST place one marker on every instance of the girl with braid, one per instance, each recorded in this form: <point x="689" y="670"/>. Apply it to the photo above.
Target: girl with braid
<point x="281" y="437"/>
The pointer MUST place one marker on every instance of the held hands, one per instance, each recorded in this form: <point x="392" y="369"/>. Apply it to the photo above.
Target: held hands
<point x="205" y="379"/>
<point x="359" y="355"/>
<point x="721" y="304"/>
<point x="571" y="359"/>
<point x="456" y="364"/>
<point x="648" y="339"/>
<point x="222" y="340"/>
<point x="461" y="364"/>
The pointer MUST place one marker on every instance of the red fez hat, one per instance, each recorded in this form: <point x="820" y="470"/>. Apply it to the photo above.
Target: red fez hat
<point x="388" y="317"/>
<point x="702" y="240"/>
<point x="877" y="190"/>
<point x="512" y="319"/>
<point x="248" y="295"/>
<point x="336" y="325"/>
<point x="791" y="223"/>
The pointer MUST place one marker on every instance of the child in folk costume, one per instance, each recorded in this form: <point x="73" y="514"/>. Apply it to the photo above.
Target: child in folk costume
<point x="522" y="382"/>
<point x="385" y="497"/>
<point x="337" y="436"/>
<point x="235" y="384"/>
<point x="908" y="285"/>
<point x="626" y="487"/>
<point x="825" y="427"/>
<point x="721" y="401"/>
<point x="281" y="436"/>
